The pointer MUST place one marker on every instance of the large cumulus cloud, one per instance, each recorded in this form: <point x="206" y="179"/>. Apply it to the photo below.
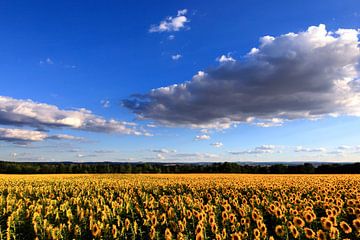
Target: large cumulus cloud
<point x="309" y="75"/>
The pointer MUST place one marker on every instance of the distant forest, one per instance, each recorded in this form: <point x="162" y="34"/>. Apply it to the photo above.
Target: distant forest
<point x="226" y="167"/>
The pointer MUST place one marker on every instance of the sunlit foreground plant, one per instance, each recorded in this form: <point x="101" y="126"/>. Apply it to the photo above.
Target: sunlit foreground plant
<point x="180" y="207"/>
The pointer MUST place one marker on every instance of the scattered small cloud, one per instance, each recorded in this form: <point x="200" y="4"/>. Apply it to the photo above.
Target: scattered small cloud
<point x="312" y="150"/>
<point x="182" y="12"/>
<point x="79" y="155"/>
<point x="205" y="131"/>
<point x="74" y="150"/>
<point x="345" y="147"/>
<point x="70" y="66"/>
<point x="195" y="156"/>
<point x="104" y="151"/>
<point x="164" y="150"/>
<point x="171" y="37"/>
<point x="171" y="24"/>
<point x="258" y="150"/>
<point x="273" y="122"/>
<point x="217" y="144"/>
<point x="336" y="152"/>
<point x="225" y="58"/>
<point x="48" y="61"/>
<point x="160" y="156"/>
<point x="65" y="137"/>
<point x="202" y="137"/>
<point x="105" y="103"/>
<point x="176" y="57"/>
<point x="51" y="61"/>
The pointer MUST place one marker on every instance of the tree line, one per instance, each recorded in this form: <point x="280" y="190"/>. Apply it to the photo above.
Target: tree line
<point x="226" y="167"/>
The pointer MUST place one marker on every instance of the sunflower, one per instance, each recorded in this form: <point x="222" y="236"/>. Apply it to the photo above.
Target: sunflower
<point x="180" y="236"/>
<point x="278" y="213"/>
<point x="224" y="233"/>
<point x="308" y="216"/>
<point x="279" y="231"/>
<point x="356" y="224"/>
<point x="199" y="236"/>
<point x="152" y="233"/>
<point x="153" y="220"/>
<point x="256" y="233"/>
<point x="298" y="222"/>
<point x="334" y="233"/>
<point x="326" y="223"/>
<point x="214" y="228"/>
<point x="309" y="233"/>
<point x="181" y="226"/>
<point x="114" y="231"/>
<point x="235" y="236"/>
<point x="321" y="235"/>
<point x="232" y="217"/>
<point x="294" y="231"/>
<point x="163" y="219"/>
<point x="96" y="231"/>
<point x="127" y="224"/>
<point x="188" y="214"/>
<point x="168" y="234"/>
<point x="198" y="229"/>
<point x="345" y="227"/>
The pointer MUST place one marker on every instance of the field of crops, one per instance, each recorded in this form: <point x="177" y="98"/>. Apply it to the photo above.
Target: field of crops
<point x="179" y="207"/>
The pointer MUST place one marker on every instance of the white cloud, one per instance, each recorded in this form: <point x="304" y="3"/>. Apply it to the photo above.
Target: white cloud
<point x="273" y="122"/>
<point x="65" y="137"/>
<point x="105" y="103"/>
<point x="305" y="75"/>
<point x="224" y="58"/>
<point x="176" y="57"/>
<point x="164" y="150"/>
<point x="345" y="147"/>
<point x="104" y="151"/>
<point x="21" y="135"/>
<point x="24" y="136"/>
<point x="217" y="144"/>
<point x="206" y="131"/>
<point x="181" y="12"/>
<point x="48" y="61"/>
<point x="303" y="149"/>
<point x="171" y="24"/>
<point x="19" y="112"/>
<point x="202" y="137"/>
<point x="171" y="37"/>
<point x="194" y="156"/>
<point x="337" y="152"/>
<point x="258" y="150"/>
<point x="79" y="155"/>
<point x="160" y="156"/>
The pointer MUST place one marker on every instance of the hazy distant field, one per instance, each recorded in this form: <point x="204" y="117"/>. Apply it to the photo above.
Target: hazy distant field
<point x="180" y="206"/>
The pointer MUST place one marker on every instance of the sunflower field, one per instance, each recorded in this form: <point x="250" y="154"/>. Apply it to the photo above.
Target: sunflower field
<point x="180" y="206"/>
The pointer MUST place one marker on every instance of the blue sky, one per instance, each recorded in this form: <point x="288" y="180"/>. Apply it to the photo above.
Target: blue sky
<point x="94" y="81"/>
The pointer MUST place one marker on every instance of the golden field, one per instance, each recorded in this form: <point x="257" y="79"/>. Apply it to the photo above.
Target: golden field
<point x="175" y="206"/>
